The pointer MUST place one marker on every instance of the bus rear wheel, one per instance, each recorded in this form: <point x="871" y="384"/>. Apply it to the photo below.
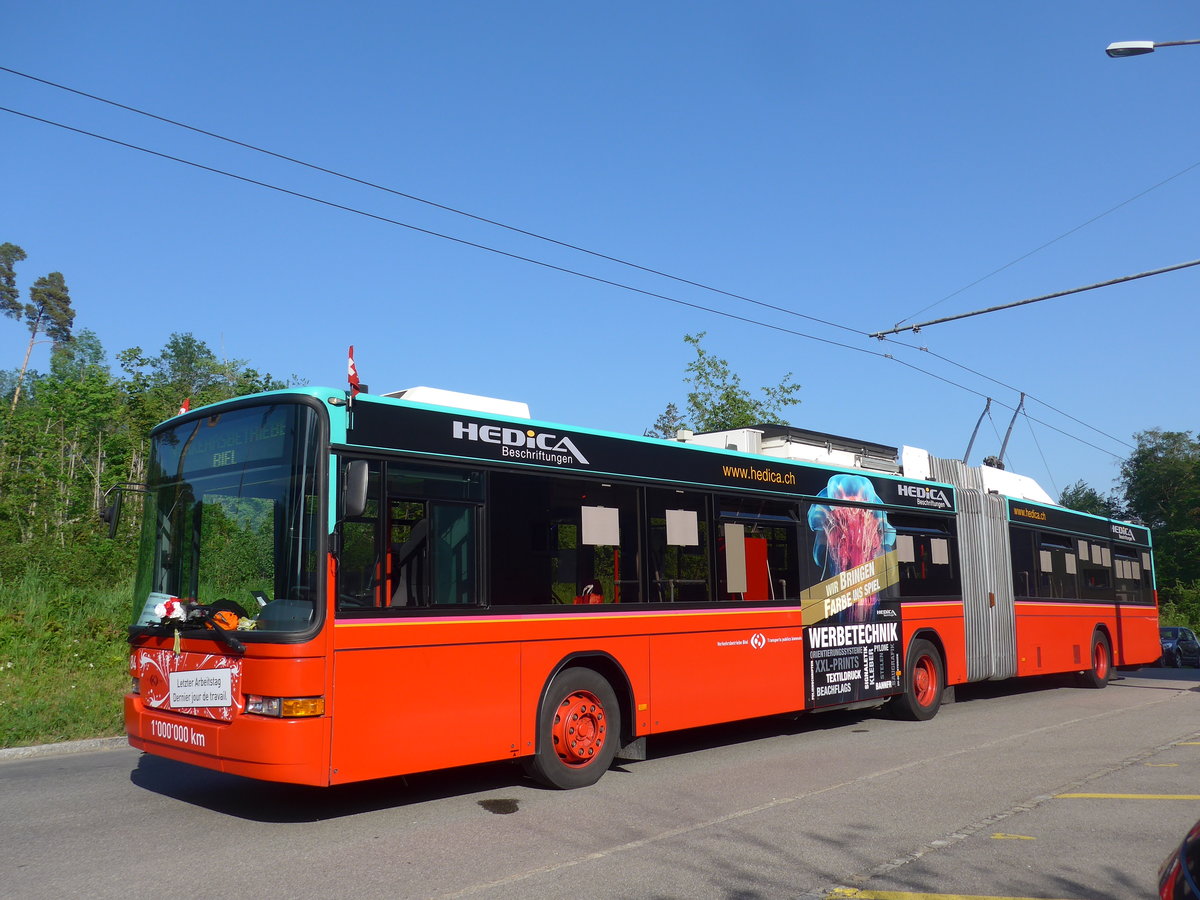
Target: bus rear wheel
<point x="579" y="727"/>
<point x="923" y="684"/>
<point x="1101" y="656"/>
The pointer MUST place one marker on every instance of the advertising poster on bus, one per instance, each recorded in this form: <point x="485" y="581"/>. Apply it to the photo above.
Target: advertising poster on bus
<point x="852" y="630"/>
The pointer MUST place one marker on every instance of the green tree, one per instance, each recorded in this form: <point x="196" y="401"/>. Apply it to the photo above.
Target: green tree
<point x="186" y="369"/>
<point x="48" y="312"/>
<point x="78" y="431"/>
<point x="1085" y="498"/>
<point x="1161" y="479"/>
<point x="717" y="400"/>
<point x="10" y="303"/>
<point x="1161" y="483"/>
<point x="83" y="400"/>
<point x="1180" y="604"/>
<point x="668" y="423"/>
<point x="60" y="446"/>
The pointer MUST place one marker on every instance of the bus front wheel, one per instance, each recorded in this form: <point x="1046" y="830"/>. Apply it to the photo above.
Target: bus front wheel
<point x="923" y="684"/>
<point x="579" y="728"/>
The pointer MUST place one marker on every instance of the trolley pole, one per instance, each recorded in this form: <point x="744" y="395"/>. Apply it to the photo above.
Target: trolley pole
<point x="1012" y="422"/>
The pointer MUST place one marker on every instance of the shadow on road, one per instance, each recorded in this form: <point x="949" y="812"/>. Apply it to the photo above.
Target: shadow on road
<point x="262" y="801"/>
<point x="1160" y="679"/>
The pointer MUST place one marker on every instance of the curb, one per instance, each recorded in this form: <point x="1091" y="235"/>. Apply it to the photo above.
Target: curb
<point x="67" y="747"/>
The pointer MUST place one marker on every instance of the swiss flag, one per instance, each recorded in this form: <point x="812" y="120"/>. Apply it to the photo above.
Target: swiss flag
<point x="352" y="374"/>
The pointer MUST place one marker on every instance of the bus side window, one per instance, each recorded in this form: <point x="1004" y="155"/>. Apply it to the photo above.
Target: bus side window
<point x="757" y="550"/>
<point x="408" y="555"/>
<point x="927" y="555"/>
<point x="599" y="562"/>
<point x="1058" y="567"/>
<point x="432" y="553"/>
<point x="680" y="556"/>
<point x="1024" y="573"/>
<point x="1096" y="576"/>
<point x="454" y="554"/>
<point x="1128" y="570"/>
<point x="565" y="541"/>
<point x="596" y="556"/>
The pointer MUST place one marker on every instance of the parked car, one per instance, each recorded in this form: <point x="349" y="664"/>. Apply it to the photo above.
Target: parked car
<point x="1179" y="646"/>
<point x="1179" y="872"/>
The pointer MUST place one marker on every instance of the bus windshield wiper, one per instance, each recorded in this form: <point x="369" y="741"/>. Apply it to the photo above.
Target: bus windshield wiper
<point x="227" y="637"/>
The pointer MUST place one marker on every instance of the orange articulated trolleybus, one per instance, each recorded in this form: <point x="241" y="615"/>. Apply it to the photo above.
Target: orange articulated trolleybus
<point x="334" y="588"/>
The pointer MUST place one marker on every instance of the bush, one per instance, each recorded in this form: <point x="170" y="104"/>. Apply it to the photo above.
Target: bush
<point x="1179" y="604"/>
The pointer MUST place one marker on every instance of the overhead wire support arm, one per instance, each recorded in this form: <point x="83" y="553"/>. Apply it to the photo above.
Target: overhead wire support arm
<point x="1011" y="423"/>
<point x="975" y="433"/>
<point x="979" y="312"/>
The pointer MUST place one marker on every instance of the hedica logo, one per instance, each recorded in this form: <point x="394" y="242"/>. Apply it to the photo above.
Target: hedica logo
<point x="522" y="444"/>
<point x="925" y="496"/>
<point x="1123" y="532"/>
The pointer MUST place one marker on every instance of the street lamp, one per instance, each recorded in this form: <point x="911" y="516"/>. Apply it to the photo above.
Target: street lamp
<point x="1137" y="48"/>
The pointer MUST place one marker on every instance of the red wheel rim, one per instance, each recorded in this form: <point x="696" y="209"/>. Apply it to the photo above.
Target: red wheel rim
<point x="925" y="681"/>
<point x="1100" y="659"/>
<point x="579" y="729"/>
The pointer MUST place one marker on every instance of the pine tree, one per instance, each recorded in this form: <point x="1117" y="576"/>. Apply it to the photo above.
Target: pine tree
<point x="48" y="312"/>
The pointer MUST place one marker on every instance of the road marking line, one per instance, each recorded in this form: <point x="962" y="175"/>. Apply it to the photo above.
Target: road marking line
<point x="1161" y="765"/>
<point x="878" y="870"/>
<point x="1127" y="796"/>
<point x="1001" y="836"/>
<point x="851" y="894"/>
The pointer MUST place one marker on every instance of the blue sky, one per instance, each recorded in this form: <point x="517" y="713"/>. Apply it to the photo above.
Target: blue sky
<point x="854" y="162"/>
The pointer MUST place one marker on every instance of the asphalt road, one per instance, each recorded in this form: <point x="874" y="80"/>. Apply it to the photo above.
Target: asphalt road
<point x="1035" y="789"/>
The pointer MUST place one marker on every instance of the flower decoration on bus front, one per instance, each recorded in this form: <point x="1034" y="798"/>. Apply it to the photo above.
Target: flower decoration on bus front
<point x="846" y="536"/>
<point x="172" y="608"/>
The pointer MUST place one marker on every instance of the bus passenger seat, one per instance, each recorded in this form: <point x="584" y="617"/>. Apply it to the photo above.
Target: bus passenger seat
<point x="591" y="593"/>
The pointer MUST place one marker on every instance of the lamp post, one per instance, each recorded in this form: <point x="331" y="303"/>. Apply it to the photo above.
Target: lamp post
<point x="1137" y="48"/>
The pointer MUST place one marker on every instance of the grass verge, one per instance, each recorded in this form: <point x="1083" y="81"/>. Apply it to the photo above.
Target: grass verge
<point x="63" y="661"/>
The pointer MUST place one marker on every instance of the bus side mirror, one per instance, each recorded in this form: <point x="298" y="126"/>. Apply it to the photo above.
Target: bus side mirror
<point x="112" y="513"/>
<point x="354" y="498"/>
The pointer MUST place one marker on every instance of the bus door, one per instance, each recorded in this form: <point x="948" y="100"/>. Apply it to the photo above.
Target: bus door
<point x="406" y="670"/>
<point x="1137" y="637"/>
<point x="710" y="553"/>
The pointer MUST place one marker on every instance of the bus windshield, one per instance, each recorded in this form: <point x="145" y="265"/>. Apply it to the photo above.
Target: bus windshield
<point x="232" y="513"/>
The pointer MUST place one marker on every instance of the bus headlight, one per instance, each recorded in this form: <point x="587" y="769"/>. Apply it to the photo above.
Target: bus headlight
<point x="285" y="707"/>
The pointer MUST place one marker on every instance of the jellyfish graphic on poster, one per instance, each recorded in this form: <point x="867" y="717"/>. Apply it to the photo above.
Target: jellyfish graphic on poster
<point x="852" y="634"/>
<point x="849" y="536"/>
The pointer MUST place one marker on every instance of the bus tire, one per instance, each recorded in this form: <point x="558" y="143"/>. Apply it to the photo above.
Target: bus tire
<point x="924" y="682"/>
<point x="1101" y="656"/>
<point x="578" y="731"/>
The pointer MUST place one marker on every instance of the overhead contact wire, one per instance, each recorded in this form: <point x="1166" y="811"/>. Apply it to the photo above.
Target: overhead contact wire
<point x="518" y="257"/>
<point x="567" y="245"/>
<point x="1065" y="234"/>
<point x="431" y="203"/>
